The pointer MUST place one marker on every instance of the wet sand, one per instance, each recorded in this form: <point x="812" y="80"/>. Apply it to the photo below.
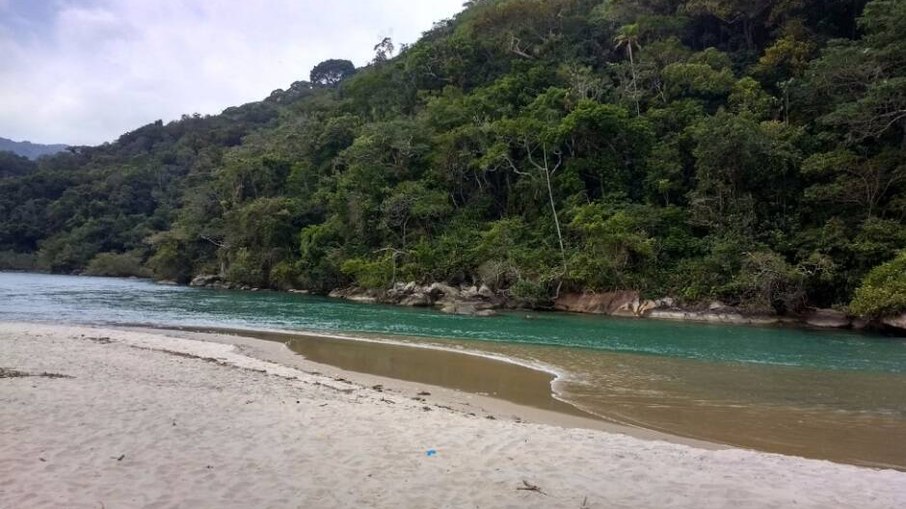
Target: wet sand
<point x="847" y="417"/>
<point x="154" y="419"/>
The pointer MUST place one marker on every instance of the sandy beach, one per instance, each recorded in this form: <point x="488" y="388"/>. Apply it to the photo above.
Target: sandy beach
<point x="110" y="417"/>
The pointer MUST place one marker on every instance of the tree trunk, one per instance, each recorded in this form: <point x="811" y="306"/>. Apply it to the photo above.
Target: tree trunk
<point x="635" y="84"/>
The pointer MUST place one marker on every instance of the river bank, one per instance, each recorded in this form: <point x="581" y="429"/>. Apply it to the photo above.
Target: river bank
<point x="142" y="418"/>
<point x="483" y="301"/>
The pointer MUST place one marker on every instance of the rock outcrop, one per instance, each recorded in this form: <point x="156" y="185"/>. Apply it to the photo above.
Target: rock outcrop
<point x="896" y="322"/>
<point x="827" y="319"/>
<point x="472" y="301"/>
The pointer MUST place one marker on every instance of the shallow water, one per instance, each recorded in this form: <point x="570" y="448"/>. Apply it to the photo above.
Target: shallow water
<point x="833" y="395"/>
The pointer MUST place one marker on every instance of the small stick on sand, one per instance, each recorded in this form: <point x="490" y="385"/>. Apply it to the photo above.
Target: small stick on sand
<point x="530" y="487"/>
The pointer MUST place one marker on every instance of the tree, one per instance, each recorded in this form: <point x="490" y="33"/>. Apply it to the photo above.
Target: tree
<point x="629" y="38"/>
<point x="330" y="73"/>
<point x="383" y="50"/>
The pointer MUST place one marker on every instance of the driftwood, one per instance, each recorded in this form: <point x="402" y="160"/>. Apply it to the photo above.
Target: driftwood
<point x="527" y="486"/>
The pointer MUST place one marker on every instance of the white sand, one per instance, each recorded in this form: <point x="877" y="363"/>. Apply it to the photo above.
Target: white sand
<point x="139" y="426"/>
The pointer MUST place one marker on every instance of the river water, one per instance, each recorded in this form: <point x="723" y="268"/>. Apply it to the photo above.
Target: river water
<point x="831" y="395"/>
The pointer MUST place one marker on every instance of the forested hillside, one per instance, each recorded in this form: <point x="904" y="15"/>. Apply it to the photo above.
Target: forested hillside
<point x="752" y="151"/>
<point x="29" y="149"/>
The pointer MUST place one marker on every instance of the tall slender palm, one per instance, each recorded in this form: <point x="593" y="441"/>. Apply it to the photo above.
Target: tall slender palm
<point x="628" y="37"/>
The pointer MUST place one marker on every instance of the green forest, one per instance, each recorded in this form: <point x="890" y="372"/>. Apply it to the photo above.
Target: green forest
<point x="751" y="151"/>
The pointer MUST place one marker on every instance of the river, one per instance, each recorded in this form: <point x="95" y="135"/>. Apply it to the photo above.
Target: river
<point x="832" y="395"/>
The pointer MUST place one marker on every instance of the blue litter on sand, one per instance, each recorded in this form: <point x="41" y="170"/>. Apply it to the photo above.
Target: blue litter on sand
<point x="430" y="452"/>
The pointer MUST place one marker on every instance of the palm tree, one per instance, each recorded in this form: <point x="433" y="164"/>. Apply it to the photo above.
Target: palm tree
<point x="628" y="37"/>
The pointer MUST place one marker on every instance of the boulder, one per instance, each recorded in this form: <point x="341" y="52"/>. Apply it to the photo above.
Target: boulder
<point x="417" y="299"/>
<point x="466" y="308"/>
<point x="827" y="319"/>
<point x="665" y="302"/>
<point x="627" y="309"/>
<point x="486" y="292"/>
<point x="469" y="293"/>
<point x="605" y="303"/>
<point x="646" y="306"/>
<point x="715" y="305"/>
<point x="205" y="280"/>
<point x="442" y="291"/>
<point x="897" y="322"/>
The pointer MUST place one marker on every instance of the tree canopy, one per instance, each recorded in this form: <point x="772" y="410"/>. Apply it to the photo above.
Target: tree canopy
<point x="753" y="152"/>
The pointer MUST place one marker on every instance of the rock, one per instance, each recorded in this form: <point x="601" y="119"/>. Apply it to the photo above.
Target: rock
<point x="827" y="319"/>
<point x="167" y="282"/>
<point x="205" y="280"/>
<point x="470" y="293"/>
<point x="605" y="303"/>
<point x="417" y="299"/>
<point x="646" y="306"/>
<point x="486" y="292"/>
<point x="467" y="308"/>
<point x="711" y="317"/>
<point x="300" y="292"/>
<point x="442" y="290"/>
<point x="354" y="294"/>
<point x="627" y="309"/>
<point x="362" y="297"/>
<point x="895" y="322"/>
<point x="860" y="323"/>
<point x="665" y="302"/>
<point x="715" y="305"/>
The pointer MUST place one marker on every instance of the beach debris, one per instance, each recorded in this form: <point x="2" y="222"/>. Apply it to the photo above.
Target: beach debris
<point x="431" y="452"/>
<point x="378" y="387"/>
<point x="426" y="408"/>
<point x="585" y="503"/>
<point x="385" y="400"/>
<point x="12" y="373"/>
<point x="104" y="340"/>
<point x="119" y="458"/>
<point x="490" y="417"/>
<point x="42" y="460"/>
<point x="424" y="393"/>
<point x="527" y="486"/>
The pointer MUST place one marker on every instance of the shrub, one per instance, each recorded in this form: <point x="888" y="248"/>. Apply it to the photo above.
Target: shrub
<point x="117" y="265"/>
<point x="883" y="291"/>
<point x="11" y="260"/>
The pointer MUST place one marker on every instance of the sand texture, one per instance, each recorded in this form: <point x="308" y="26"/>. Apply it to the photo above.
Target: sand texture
<point x="149" y="419"/>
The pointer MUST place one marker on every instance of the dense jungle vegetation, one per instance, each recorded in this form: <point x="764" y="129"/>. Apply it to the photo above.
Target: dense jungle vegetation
<point x="746" y="150"/>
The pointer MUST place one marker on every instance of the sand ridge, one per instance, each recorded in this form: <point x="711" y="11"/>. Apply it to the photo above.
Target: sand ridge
<point x="151" y="419"/>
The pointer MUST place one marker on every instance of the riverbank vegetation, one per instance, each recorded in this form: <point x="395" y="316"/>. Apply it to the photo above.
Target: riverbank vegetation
<point x="748" y="151"/>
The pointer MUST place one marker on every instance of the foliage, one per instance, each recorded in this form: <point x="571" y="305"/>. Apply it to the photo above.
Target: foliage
<point x="117" y="265"/>
<point x="750" y="151"/>
<point x="883" y="291"/>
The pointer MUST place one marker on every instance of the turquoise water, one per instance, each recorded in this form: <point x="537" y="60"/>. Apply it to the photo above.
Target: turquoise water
<point x="38" y="297"/>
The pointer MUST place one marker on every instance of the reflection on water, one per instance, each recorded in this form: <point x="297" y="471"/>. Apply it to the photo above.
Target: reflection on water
<point x="833" y="395"/>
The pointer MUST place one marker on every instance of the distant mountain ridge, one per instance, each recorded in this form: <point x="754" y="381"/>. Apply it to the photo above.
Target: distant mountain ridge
<point x="29" y="149"/>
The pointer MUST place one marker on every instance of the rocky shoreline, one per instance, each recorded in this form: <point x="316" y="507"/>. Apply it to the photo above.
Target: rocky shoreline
<point x="482" y="301"/>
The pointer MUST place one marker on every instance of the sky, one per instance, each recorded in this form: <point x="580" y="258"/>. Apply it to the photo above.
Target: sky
<point x="82" y="72"/>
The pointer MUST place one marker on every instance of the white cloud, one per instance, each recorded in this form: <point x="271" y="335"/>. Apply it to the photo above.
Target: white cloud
<point x="103" y="67"/>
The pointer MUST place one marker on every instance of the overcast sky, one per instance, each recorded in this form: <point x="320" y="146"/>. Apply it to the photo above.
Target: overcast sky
<point x="85" y="71"/>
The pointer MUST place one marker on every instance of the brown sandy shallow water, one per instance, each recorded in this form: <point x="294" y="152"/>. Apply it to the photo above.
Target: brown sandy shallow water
<point x="778" y="409"/>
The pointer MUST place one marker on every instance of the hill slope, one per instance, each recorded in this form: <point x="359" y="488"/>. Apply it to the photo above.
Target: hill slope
<point x="29" y="149"/>
<point x="745" y="151"/>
